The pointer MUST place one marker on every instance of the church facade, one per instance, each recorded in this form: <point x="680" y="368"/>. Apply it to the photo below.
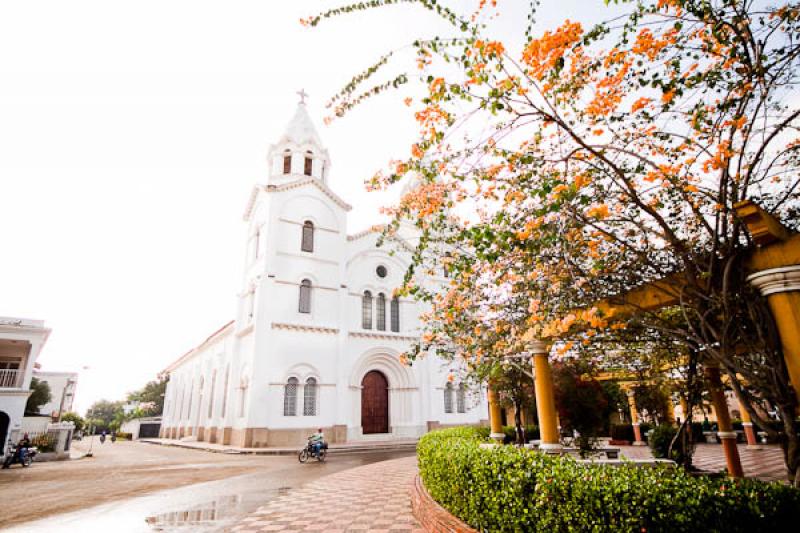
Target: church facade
<point x="318" y="334"/>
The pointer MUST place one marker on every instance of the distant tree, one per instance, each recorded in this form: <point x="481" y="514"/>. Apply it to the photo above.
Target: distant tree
<point x="514" y="386"/>
<point x="652" y="400"/>
<point x="75" y="418"/>
<point x="103" y="413"/>
<point x="40" y="396"/>
<point x="580" y="399"/>
<point x="153" y="392"/>
<point x="617" y="401"/>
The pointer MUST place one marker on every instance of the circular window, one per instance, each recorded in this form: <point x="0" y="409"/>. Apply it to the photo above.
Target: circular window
<point x="381" y="271"/>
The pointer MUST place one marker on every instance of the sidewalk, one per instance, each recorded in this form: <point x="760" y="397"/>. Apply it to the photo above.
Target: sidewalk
<point x="368" y="499"/>
<point x="765" y="462"/>
<point x="333" y="449"/>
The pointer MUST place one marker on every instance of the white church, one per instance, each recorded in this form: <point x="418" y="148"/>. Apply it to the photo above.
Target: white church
<point x="318" y="334"/>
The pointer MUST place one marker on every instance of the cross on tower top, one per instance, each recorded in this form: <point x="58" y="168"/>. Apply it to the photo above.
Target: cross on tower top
<point x="303" y="95"/>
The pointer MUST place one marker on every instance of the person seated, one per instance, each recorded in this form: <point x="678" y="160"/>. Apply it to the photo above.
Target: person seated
<point x="22" y="447"/>
<point x="317" y="440"/>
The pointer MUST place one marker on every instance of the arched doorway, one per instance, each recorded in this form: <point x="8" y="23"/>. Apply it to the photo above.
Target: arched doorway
<point x="374" y="403"/>
<point x="5" y="421"/>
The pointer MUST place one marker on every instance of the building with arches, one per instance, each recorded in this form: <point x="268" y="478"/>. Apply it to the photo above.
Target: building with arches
<point x="318" y="333"/>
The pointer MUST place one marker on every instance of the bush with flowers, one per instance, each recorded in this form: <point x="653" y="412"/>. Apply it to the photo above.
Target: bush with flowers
<point x="510" y="489"/>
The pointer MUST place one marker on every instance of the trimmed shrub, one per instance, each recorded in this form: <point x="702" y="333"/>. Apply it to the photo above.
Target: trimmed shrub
<point x="510" y="489"/>
<point x="124" y="436"/>
<point x="659" y="442"/>
<point x="622" y="432"/>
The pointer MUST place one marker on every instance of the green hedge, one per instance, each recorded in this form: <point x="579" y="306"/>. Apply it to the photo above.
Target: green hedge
<point x="510" y="489"/>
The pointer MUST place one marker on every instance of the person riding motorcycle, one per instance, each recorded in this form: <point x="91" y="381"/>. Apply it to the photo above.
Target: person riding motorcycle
<point x="317" y="440"/>
<point x="20" y="452"/>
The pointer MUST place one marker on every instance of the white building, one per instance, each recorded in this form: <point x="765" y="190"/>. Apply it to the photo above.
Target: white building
<point x="21" y="341"/>
<point x="62" y="391"/>
<point x="318" y="334"/>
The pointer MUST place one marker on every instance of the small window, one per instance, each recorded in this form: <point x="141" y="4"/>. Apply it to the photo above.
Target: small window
<point x="448" y="398"/>
<point x="305" y="296"/>
<point x="381" y="310"/>
<point x="366" y="310"/>
<point x="395" y="314"/>
<point x="290" y="397"/>
<point x="310" y="397"/>
<point x="461" y="398"/>
<point x="381" y="271"/>
<point x="309" y="162"/>
<point x="307" y="244"/>
<point x="287" y="162"/>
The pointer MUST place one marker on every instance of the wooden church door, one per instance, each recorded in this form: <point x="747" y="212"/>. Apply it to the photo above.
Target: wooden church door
<point x="374" y="403"/>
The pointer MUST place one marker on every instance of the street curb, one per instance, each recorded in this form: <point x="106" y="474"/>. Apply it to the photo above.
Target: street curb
<point x="410" y="447"/>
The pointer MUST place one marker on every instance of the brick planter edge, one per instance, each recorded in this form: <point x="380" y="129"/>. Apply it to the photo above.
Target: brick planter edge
<point x="433" y="517"/>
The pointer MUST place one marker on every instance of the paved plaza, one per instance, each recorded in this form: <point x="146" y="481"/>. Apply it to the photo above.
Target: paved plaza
<point x="763" y="462"/>
<point x="373" y="499"/>
<point x="376" y="498"/>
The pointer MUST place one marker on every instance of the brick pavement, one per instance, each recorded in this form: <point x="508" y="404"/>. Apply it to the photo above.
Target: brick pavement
<point x="764" y="462"/>
<point x="376" y="498"/>
<point x="368" y="499"/>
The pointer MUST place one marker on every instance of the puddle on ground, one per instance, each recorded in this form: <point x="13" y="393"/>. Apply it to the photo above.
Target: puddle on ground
<point x="223" y="508"/>
<point x="209" y="515"/>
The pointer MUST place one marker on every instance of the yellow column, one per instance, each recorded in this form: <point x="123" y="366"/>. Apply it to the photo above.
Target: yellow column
<point x="747" y="425"/>
<point x="637" y="430"/>
<point x="781" y="286"/>
<point x="670" y="410"/>
<point x="684" y="408"/>
<point x="495" y="422"/>
<point x="545" y="400"/>
<point x="725" y="432"/>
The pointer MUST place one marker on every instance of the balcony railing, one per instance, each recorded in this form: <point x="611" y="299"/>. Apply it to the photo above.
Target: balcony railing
<point x="9" y="378"/>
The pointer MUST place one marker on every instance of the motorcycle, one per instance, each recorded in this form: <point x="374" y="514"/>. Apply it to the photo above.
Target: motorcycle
<point x="13" y="457"/>
<point x="308" y="452"/>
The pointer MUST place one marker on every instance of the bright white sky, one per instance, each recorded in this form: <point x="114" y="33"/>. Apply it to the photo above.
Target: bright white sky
<point x="130" y="136"/>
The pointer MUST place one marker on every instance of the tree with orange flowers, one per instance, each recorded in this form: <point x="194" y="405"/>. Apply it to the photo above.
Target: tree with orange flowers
<point x="575" y="165"/>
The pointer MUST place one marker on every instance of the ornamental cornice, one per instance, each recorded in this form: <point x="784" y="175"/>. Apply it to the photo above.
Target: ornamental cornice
<point x="383" y="336"/>
<point x="304" y="328"/>
<point x="311" y="181"/>
<point x="379" y="228"/>
<point x="776" y="280"/>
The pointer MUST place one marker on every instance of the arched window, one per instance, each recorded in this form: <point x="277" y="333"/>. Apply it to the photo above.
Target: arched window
<point x="310" y="397"/>
<point x="191" y="396"/>
<point x="243" y="384"/>
<point x="395" y="314"/>
<point x="307" y="244"/>
<point x="290" y="397"/>
<point x="309" y="162"/>
<point x="305" y="296"/>
<point x="448" y="398"/>
<point x="461" y="398"/>
<point x="366" y="310"/>
<point x="257" y="244"/>
<point x="211" y="394"/>
<point x="225" y="390"/>
<point x="287" y="162"/>
<point x="381" y="310"/>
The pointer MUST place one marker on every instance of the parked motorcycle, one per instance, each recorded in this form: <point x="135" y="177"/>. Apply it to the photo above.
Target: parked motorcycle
<point x="13" y="457"/>
<point x="308" y="452"/>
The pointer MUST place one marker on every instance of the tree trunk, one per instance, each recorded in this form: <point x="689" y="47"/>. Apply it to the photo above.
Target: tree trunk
<point x="518" y="422"/>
